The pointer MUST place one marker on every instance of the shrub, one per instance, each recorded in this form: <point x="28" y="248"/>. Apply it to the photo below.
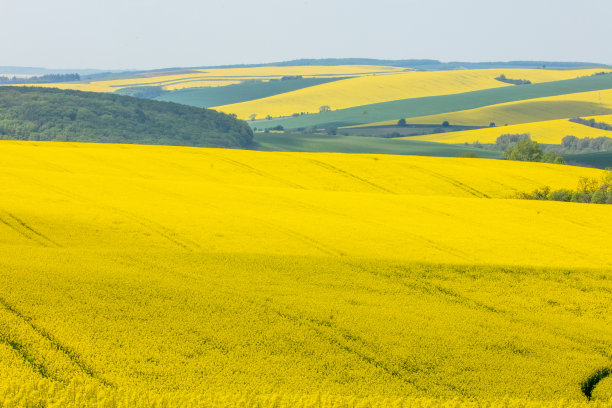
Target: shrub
<point x="589" y="190"/>
<point x="560" y="195"/>
<point x="552" y="157"/>
<point x="509" y="139"/>
<point x="279" y="127"/>
<point x="541" y="194"/>
<point x="587" y="185"/>
<point x="581" y="197"/>
<point x="569" y="142"/>
<point x="524" y="150"/>
<point x="392" y="135"/>
<point x="599" y="197"/>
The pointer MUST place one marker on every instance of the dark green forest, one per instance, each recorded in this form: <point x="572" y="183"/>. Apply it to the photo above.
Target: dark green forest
<point x="28" y="113"/>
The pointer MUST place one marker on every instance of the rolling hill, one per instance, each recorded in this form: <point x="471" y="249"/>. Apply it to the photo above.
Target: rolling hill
<point x="575" y="95"/>
<point x="175" y="79"/>
<point x="549" y="132"/>
<point x="360" y="144"/>
<point x="28" y="113"/>
<point x="206" y="97"/>
<point x="563" y="106"/>
<point x="372" y="89"/>
<point x="183" y="276"/>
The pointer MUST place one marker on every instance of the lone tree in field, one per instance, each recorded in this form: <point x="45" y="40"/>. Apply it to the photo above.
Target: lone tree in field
<point x="524" y="150"/>
<point x="401" y="122"/>
<point x="445" y="123"/>
<point x="253" y="116"/>
<point x="324" y="108"/>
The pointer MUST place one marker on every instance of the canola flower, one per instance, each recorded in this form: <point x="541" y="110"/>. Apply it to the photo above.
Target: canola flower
<point x="548" y="131"/>
<point x="594" y="103"/>
<point x="168" y="276"/>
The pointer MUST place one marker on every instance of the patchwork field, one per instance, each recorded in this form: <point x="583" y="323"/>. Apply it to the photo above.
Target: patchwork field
<point x="366" y="90"/>
<point x="214" y="96"/>
<point x="148" y="275"/>
<point x="509" y="104"/>
<point x="550" y="132"/>
<point x="593" y="103"/>
<point x="192" y="78"/>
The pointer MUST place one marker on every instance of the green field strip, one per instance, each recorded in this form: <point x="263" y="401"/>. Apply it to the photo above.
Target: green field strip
<point x="432" y="105"/>
<point x="600" y="160"/>
<point x="358" y="144"/>
<point x="205" y="97"/>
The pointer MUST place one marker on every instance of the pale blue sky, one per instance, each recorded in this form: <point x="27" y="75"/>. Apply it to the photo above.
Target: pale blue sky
<point x="143" y="34"/>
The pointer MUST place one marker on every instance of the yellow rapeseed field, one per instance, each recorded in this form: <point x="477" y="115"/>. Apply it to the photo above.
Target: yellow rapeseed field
<point x="222" y="76"/>
<point x="594" y="103"/>
<point x="548" y="131"/>
<point x="137" y="276"/>
<point x="365" y="90"/>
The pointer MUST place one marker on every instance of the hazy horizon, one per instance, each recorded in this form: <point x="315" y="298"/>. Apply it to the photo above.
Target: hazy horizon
<point x="141" y="35"/>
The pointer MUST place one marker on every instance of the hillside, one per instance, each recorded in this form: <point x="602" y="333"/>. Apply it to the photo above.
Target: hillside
<point x="183" y="276"/>
<point x="426" y="109"/>
<point x="28" y="113"/>
<point x="547" y="131"/>
<point x="372" y="89"/>
<point x="206" y="97"/>
<point x="295" y="142"/>
<point x="176" y="79"/>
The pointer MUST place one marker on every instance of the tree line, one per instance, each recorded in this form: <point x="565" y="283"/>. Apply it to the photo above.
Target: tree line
<point x="589" y="190"/>
<point x="43" y="79"/>
<point x="502" y="78"/>
<point x="592" y="123"/>
<point x="569" y="144"/>
<point x="598" y="144"/>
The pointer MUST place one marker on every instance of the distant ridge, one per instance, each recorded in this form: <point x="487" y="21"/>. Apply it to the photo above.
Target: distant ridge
<point x="422" y="64"/>
<point x="12" y="70"/>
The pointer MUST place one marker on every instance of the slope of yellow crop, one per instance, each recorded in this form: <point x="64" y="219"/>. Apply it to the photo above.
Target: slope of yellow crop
<point x="374" y="89"/>
<point x="166" y="276"/>
<point x="594" y="103"/>
<point x="80" y="86"/>
<point x="549" y="131"/>
<point x="197" y="84"/>
<point x="430" y="191"/>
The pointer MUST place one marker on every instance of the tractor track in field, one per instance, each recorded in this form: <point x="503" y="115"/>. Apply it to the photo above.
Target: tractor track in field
<point x="149" y="225"/>
<point x="23" y="353"/>
<point x="70" y="354"/>
<point x="255" y="170"/>
<point x="345" y="173"/>
<point x="456" y="183"/>
<point x="26" y="231"/>
<point x="343" y="340"/>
